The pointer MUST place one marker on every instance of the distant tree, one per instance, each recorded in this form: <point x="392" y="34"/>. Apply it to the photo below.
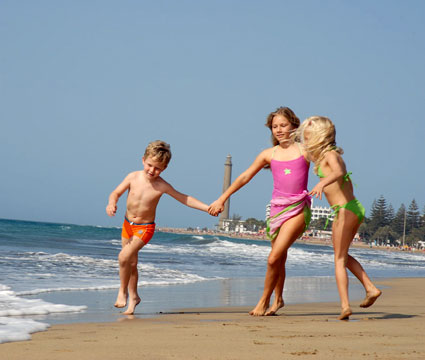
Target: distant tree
<point x="412" y="216"/>
<point x="385" y="235"/>
<point x="417" y="234"/>
<point x="253" y="224"/>
<point x="364" y="228"/>
<point x="379" y="215"/>
<point x="319" y="224"/>
<point x="236" y="217"/>
<point x="390" y="213"/>
<point x="397" y="225"/>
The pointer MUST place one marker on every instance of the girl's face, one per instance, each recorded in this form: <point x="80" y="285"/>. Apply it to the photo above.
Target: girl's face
<point x="281" y="128"/>
<point x="306" y="135"/>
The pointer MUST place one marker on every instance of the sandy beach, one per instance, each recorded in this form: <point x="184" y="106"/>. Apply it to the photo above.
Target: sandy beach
<point x="393" y="328"/>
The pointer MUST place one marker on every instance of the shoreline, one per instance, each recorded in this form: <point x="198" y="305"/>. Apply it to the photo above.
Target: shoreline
<point x="392" y="329"/>
<point x="304" y="239"/>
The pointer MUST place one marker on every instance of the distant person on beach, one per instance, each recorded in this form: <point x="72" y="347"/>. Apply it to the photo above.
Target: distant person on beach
<point x="318" y="136"/>
<point x="145" y="188"/>
<point x="290" y="205"/>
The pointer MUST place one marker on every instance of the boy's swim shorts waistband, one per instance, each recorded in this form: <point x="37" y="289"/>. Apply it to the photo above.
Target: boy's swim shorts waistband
<point x="144" y="231"/>
<point x="133" y="223"/>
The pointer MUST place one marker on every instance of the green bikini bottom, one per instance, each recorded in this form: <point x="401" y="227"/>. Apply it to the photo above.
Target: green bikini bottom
<point x="355" y="206"/>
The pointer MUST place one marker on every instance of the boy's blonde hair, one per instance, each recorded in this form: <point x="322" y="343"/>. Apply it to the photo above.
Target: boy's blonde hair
<point x="287" y="113"/>
<point x="158" y="150"/>
<point x="321" y="138"/>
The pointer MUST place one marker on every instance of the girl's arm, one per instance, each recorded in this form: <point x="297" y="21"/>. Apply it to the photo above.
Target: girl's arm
<point x="111" y="208"/>
<point x="262" y="159"/>
<point x="336" y="164"/>
<point x="186" y="199"/>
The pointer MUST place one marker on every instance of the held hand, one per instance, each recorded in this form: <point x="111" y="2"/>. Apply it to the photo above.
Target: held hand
<point x="215" y="208"/>
<point x="317" y="191"/>
<point x="111" y="210"/>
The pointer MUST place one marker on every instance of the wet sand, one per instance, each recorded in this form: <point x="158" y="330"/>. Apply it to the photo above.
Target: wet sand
<point x="393" y="328"/>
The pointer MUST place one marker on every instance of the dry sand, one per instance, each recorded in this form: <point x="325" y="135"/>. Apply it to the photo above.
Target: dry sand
<point x="394" y="328"/>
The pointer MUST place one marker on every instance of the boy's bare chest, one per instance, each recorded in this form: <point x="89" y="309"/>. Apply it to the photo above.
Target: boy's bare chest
<point x="144" y="192"/>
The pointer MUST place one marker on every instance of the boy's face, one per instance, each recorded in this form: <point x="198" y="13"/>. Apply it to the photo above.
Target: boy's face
<point x="153" y="168"/>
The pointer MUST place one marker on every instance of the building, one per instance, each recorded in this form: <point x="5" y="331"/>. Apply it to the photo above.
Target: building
<point x="318" y="212"/>
<point x="229" y="225"/>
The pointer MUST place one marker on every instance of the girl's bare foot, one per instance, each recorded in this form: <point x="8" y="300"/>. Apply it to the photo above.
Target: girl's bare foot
<point x="275" y="307"/>
<point x="131" y="306"/>
<point x="260" y="309"/>
<point x="370" y="298"/>
<point x="121" y="300"/>
<point x="345" y="314"/>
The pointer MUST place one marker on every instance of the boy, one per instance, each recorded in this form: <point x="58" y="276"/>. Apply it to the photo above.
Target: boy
<point x="145" y="188"/>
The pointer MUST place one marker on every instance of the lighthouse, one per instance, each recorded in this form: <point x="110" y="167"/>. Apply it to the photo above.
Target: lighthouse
<point x="226" y="183"/>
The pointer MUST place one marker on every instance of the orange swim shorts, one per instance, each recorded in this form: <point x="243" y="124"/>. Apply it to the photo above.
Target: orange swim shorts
<point x="143" y="231"/>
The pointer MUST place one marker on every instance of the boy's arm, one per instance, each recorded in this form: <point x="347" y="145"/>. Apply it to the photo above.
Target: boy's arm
<point x="217" y="206"/>
<point x="186" y="199"/>
<point x="111" y="208"/>
<point x="337" y="166"/>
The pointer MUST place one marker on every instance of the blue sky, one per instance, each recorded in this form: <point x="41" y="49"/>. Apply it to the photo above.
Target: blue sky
<point x="85" y="85"/>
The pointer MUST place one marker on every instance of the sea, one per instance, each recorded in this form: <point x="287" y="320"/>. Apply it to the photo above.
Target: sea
<point x="62" y="273"/>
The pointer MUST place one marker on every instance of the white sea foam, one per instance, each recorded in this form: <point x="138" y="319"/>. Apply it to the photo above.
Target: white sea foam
<point x="11" y="306"/>
<point x="301" y="256"/>
<point x="167" y="277"/>
<point x="12" y="329"/>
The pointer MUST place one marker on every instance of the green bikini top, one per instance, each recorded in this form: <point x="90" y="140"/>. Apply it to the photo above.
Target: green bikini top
<point x="345" y="178"/>
<point x="320" y="172"/>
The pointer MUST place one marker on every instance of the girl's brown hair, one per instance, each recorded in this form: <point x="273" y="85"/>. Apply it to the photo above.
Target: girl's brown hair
<point x="288" y="114"/>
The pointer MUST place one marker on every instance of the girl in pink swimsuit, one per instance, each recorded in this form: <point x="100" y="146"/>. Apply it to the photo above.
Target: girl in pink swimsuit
<point x="290" y="205"/>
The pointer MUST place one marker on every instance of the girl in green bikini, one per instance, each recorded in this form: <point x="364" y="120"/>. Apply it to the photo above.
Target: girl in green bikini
<point x="318" y="135"/>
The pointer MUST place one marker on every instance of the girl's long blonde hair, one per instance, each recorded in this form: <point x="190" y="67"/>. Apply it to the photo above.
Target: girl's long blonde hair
<point x="321" y="138"/>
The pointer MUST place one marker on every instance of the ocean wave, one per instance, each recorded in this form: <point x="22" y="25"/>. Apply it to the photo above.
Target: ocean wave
<point x="160" y="281"/>
<point x="13" y="305"/>
<point x="18" y="329"/>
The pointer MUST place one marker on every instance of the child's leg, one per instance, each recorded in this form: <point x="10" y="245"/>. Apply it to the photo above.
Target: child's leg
<point x="128" y="268"/>
<point x="122" y="292"/>
<point x="133" y="296"/>
<point x="288" y="233"/>
<point x="372" y="292"/>
<point x="278" y="290"/>
<point x="341" y="238"/>
<point x="343" y="231"/>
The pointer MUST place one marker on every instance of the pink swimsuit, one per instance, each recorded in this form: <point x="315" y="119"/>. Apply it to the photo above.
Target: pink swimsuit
<point x="290" y="196"/>
<point x="289" y="177"/>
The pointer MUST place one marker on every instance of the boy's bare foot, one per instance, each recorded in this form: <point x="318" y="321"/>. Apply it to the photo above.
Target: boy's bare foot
<point x="275" y="307"/>
<point x="345" y="314"/>
<point x="260" y="309"/>
<point x="121" y="300"/>
<point x="131" y="306"/>
<point x="370" y="298"/>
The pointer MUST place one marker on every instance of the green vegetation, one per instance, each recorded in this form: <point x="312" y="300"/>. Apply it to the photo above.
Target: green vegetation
<point x="386" y="227"/>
